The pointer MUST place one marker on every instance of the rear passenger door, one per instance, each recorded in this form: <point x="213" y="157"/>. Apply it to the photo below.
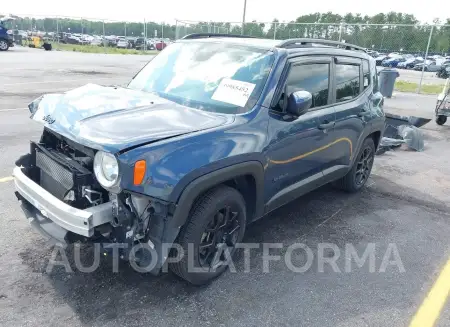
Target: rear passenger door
<point x="351" y="106"/>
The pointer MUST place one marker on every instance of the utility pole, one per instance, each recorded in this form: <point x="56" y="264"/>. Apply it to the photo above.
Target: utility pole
<point x="243" y="17"/>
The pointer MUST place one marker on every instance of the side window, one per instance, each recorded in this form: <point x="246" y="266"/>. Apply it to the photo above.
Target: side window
<point x="347" y="82"/>
<point x="366" y="74"/>
<point x="313" y="78"/>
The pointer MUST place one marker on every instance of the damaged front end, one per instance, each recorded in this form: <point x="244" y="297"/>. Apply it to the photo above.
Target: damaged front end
<point x="63" y="199"/>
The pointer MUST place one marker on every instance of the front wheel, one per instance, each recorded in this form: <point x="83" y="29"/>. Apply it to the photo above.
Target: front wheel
<point x="4" y="45"/>
<point x="214" y="226"/>
<point x="440" y="119"/>
<point x="357" y="177"/>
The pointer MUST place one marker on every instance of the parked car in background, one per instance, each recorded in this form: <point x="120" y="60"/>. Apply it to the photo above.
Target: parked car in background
<point x="409" y="63"/>
<point x="444" y="72"/>
<point x="160" y="45"/>
<point x="140" y="43"/>
<point x="392" y="62"/>
<point x="395" y="55"/>
<point x="144" y="44"/>
<point x="151" y="44"/>
<point x="132" y="42"/>
<point x="372" y="53"/>
<point x="71" y="39"/>
<point x="6" y="38"/>
<point x="111" y="40"/>
<point x="123" y="44"/>
<point x="97" y="41"/>
<point x="430" y="66"/>
<point x="380" y="58"/>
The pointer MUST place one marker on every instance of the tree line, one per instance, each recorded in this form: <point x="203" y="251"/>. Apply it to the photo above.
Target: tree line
<point x="393" y="31"/>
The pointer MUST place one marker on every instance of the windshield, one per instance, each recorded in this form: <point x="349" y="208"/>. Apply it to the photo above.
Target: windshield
<point x="217" y="77"/>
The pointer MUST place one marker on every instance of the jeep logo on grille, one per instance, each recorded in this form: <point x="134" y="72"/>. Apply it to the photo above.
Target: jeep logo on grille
<point x="49" y="119"/>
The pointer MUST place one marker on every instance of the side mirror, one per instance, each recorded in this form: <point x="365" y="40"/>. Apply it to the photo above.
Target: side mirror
<point x="299" y="102"/>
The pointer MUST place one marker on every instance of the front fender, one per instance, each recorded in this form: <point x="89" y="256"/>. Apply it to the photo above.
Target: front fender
<point x="199" y="185"/>
<point x="174" y="163"/>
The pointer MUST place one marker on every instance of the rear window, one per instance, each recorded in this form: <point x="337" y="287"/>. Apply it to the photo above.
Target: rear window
<point x="347" y="82"/>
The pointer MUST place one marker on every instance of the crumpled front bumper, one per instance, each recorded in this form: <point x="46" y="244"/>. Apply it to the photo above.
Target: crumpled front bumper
<point x="54" y="218"/>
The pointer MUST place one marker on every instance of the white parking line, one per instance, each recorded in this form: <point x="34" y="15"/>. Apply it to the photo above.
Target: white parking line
<point x="13" y="109"/>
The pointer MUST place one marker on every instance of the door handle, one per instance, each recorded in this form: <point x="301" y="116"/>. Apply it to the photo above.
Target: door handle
<point x="363" y="113"/>
<point x="326" y="125"/>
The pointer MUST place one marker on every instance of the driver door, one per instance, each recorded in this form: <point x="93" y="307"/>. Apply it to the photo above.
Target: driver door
<point x="299" y="147"/>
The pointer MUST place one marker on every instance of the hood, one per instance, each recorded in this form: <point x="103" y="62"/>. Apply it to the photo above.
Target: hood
<point x="114" y="119"/>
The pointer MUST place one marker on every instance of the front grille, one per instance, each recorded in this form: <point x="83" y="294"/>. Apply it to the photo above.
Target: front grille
<point x="54" y="177"/>
<point x="61" y="174"/>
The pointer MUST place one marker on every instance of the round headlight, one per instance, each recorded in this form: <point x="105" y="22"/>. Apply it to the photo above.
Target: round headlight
<point x="106" y="169"/>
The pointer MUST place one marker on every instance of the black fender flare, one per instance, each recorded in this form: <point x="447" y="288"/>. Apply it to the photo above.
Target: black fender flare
<point x="361" y="139"/>
<point x="207" y="181"/>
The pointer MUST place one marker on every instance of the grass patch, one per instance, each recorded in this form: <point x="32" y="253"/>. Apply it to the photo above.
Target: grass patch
<point x="403" y="86"/>
<point x="98" y="49"/>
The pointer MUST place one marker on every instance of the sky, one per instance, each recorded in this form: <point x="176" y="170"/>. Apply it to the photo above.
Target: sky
<point x="216" y="10"/>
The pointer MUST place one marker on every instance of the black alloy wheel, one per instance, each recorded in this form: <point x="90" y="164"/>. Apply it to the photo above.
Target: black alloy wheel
<point x="364" y="166"/>
<point x="220" y="233"/>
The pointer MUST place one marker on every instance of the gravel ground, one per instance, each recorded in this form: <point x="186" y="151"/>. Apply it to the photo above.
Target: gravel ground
<point x="404" y="205"/>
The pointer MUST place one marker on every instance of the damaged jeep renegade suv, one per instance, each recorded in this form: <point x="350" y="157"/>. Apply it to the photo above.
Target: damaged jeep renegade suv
<point x="212" y="134"/>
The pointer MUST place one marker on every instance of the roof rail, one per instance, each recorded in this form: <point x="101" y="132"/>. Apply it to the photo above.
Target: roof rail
<point x="208" y="35"/>
<point x="291" y="43"/>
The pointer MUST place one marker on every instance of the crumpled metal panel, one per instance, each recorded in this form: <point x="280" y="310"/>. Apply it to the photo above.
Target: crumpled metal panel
<point x="394" y="121"/>
<point x="412" y="136"/>
<point x="388" y="143"/>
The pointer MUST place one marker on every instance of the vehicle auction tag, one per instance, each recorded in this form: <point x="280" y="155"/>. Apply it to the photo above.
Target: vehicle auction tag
<point x="234" y="92"/>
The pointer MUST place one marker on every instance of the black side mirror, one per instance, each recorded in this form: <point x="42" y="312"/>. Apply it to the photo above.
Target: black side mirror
<point x="299" y="102"/>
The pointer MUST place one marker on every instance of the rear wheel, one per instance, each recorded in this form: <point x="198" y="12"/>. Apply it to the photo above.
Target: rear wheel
<point x="3" y="45"/>
<point x="441" y="120"/>
<point x="357" y="177"/>
<point x="214" y="227"/>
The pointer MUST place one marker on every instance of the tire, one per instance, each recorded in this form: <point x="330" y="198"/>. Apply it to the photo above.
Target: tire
<point x="350" y="182"/>
<point x="440" y="119"/>
<point x="209" y="209"/>
<point x="4" y="46"/>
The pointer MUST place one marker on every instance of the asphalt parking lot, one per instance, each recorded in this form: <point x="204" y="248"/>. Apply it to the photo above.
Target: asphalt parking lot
<point x="405" y="206"/>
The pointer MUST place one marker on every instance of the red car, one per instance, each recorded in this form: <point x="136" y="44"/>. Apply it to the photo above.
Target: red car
<point x="160" y="45"/>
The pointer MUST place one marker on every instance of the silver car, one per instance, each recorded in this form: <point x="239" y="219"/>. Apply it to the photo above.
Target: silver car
<point x="123" y="43"/>
<point x="430" y="66"/>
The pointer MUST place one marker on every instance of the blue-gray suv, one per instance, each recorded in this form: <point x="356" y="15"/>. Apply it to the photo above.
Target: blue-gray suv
<point x="6" y="39"/>
<point x="212" y="134"/>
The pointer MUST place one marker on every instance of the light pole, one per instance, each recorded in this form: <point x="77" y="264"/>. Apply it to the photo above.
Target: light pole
<point x="243" y="17"/>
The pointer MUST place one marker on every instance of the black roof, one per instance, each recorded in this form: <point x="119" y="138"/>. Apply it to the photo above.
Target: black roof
<point x="292" y="45"/>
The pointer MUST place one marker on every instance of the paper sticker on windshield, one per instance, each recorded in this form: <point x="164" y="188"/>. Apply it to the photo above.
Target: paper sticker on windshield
<point x="233" y="92"/>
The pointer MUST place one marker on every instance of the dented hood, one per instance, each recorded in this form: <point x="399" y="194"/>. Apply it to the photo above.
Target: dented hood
<point x="114" y="118"/>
